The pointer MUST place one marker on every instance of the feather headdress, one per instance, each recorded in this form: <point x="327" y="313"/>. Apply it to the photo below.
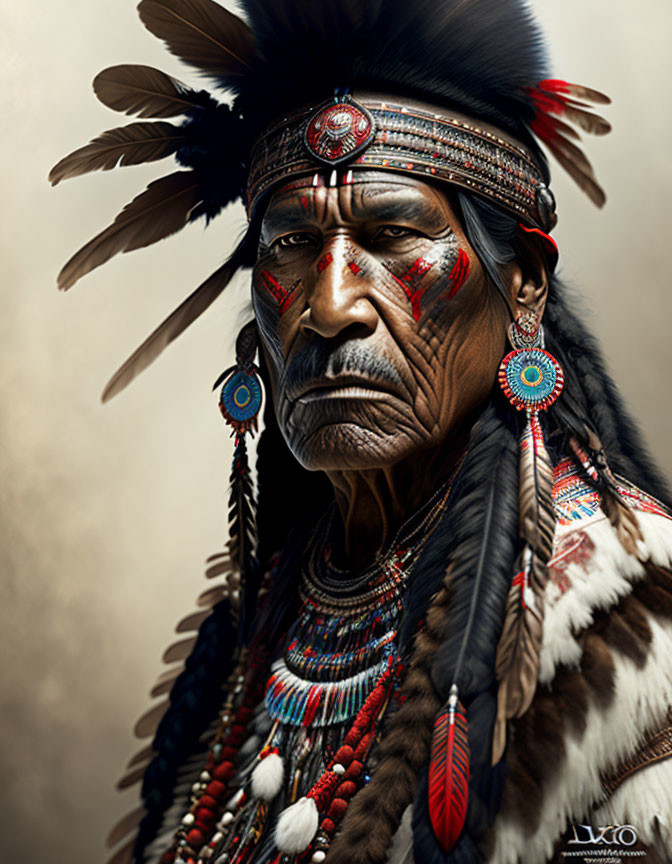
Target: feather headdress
<point x="293" y="53"/>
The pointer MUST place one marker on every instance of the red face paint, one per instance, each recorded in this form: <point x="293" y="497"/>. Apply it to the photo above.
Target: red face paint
<point x="410" y="282"/>
<point x="459" y="274"/>
<point x="354" y="268"/>
<point x="324" y="262"/>
<point x="284" y="297"/>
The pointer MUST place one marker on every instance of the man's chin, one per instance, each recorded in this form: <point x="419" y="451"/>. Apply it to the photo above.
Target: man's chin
<point x="348" y="446"/>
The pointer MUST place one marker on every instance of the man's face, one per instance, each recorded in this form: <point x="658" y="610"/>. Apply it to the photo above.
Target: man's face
<point x="380" y="331"/>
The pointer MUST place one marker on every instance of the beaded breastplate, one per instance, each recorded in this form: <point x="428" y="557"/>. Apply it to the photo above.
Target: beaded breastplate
<point x="287" y="759"/>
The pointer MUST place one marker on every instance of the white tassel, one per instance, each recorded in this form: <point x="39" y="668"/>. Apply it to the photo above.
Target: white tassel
<point x="267" y="777"/>
<point x="297" y="826"/>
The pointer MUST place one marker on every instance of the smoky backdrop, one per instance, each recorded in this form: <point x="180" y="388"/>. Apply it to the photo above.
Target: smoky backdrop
<point x="109" y="512"/>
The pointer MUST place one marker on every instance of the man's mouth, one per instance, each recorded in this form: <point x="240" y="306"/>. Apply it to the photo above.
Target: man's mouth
<point x="343" y="387"/>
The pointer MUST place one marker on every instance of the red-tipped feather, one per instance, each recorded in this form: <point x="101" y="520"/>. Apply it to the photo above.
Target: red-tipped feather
<point x="449" y="772"/>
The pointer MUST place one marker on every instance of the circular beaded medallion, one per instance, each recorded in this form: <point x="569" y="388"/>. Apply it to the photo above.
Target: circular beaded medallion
<point x="532" y="379"/>
<point x="240" y="399"/>
<point x="338" y="131"/>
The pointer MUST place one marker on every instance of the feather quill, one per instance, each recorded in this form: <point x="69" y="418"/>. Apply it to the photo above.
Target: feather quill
<point x="517" y="664"/>
<point x="202" y="33"/>
<point x="126" y="145"/>
<point x="449" y="772"/>
<point x="136" y="89"/>
<point x="185" y="314"/>
<point x="161" y="210"/>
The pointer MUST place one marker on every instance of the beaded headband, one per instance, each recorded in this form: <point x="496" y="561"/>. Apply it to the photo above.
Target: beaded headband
<point x="411" y="140"/>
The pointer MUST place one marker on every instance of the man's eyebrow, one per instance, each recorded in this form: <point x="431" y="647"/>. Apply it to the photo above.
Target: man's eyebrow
<point x="392" y="207"/>
<point x="289" y="211"/>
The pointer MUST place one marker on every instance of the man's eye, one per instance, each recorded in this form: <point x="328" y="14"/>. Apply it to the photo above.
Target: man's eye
<point x="297" y="239"/>
<point x="394" y="232"/>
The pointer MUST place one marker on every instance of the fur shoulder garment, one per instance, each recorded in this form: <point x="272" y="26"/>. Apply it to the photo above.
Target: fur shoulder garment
<point x="605" y="685"/>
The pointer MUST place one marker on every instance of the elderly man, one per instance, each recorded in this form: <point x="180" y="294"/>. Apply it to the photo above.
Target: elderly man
<point x="451" y="640"/>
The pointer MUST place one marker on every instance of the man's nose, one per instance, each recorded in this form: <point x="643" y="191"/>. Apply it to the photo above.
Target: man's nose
<point x="338" y="297"/>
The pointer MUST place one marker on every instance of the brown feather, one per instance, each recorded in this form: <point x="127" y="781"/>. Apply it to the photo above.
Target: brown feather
<point x="559" y="127"/>
<point x="537" y="517"/>
<point x="127" y="145"/>
<point x="618" y="511"/>
<point x="573" y="153"/>
<point x="141" y="756"/>
<point x="131" y="778"/>
<point x="185" y="314"/>
<point x="148" y="723"/>
<point x="202" y="33"/>
<point x="179" y="650"/>
<point x="220" y="568"/>
<point x="164" y="686"/>
<point x="192" y="622"/>
<point x="123" y="855"/>
<point x="142" y="90"/>
<point x="124" y="826"/>
<point x="517" y="663"/>
<point x="579" y="91"/>
<point x="216" y="556"/>
<point x="586" y="120"/>
<point x="586" y="182"/>
<point x="209" y="598"/>
<point x="161" y="210"/>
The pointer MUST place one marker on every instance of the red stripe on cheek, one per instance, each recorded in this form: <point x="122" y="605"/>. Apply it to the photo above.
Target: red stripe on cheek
<point x="284" y="297"/>
<point x="459" y="274"/>
<point x="410" y="282"/>
<point x="324" y="262"/>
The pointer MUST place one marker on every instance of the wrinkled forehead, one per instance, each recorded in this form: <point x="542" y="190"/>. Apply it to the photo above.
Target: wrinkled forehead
<point x="359" y="196"/>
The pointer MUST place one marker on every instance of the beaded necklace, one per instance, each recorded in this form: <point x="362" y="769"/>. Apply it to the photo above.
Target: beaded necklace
<point x="281" y="772"/>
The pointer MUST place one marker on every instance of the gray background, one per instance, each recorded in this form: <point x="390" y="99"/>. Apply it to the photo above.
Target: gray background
<point x="108" y="513"/>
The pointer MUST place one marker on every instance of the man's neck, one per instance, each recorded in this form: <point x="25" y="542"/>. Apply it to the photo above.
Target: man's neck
<point x="375" y="503"/>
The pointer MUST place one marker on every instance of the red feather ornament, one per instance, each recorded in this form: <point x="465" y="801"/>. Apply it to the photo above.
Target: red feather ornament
<point x="449" y="772"/>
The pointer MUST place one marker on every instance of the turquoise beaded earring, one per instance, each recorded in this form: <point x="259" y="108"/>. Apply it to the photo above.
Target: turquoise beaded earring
<point x="240" y="402"/>
<point x="532" y="379"/>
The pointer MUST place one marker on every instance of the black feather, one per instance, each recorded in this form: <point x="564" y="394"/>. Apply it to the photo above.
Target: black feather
<point x="194" y="702"/>
<point x="479" y="525"/>
<point x="479" y="54"/>
<point x="215" y="146"/>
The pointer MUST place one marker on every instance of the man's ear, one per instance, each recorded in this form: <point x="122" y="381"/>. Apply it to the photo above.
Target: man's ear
<point x="528" y="277"/>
